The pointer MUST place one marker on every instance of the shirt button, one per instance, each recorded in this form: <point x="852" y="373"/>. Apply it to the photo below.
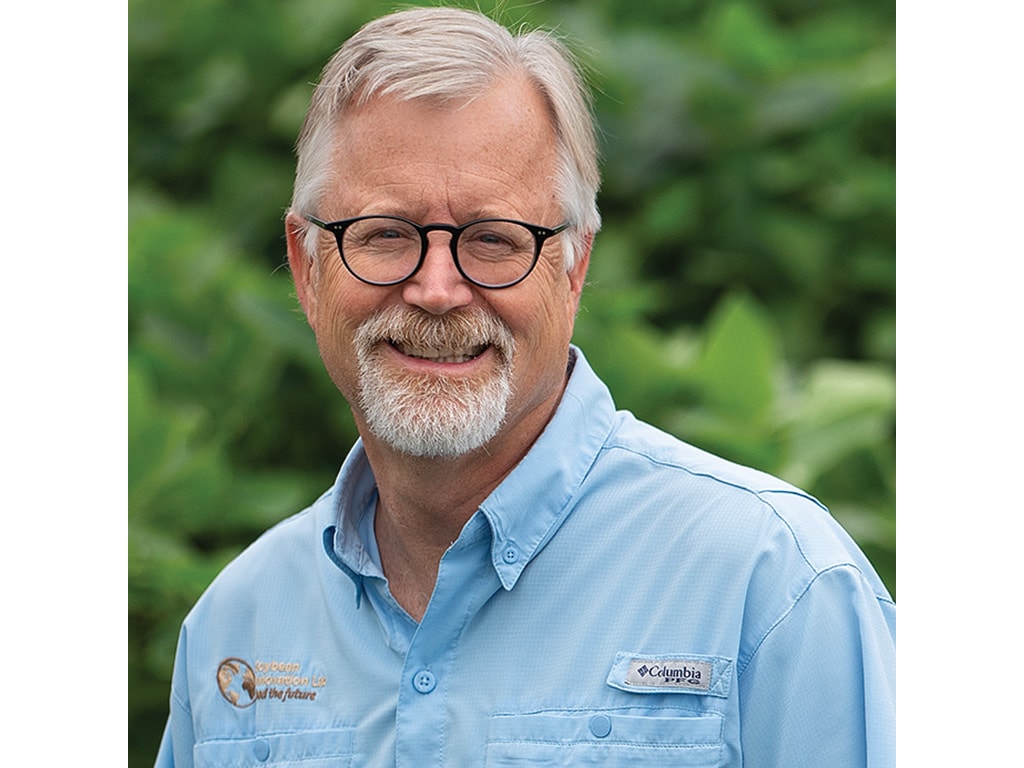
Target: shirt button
<point x="424" y="681"/>
<point x="600" y="725"/>
<point x="261" y="750"/>
<point x="510" y="554"/>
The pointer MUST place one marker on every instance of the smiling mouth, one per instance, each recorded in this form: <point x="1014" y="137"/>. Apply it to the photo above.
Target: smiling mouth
<point x="439" y="355"/>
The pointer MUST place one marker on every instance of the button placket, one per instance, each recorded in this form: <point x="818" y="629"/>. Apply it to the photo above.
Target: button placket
<point x="466" y="578"/>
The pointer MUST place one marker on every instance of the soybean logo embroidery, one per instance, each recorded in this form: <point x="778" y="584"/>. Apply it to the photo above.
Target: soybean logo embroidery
<point x="243" y="684"/>
<point x="237" y="682"/>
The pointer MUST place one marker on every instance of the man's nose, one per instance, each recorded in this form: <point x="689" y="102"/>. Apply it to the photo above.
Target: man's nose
<point x="438" y="286"/>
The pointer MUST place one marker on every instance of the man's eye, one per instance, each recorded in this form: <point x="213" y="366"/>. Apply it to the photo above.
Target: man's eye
<point x="386" y="237"/>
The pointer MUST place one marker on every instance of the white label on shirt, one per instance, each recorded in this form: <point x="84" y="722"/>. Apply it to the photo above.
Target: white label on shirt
<point x="669" y="673"/>
<point x="692" y="673"/>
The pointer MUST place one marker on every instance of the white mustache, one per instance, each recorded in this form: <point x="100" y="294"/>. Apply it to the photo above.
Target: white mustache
<point x="452" y="337"/>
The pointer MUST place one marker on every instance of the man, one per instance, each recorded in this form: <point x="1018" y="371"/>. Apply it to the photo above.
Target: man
<point x="507" y="570"/>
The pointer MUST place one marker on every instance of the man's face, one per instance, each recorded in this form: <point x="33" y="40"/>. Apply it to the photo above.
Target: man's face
<point x="436" y="365"/>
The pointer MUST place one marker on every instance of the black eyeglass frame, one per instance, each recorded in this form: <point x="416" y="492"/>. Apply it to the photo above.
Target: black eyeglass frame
<point x="540" y="235"/>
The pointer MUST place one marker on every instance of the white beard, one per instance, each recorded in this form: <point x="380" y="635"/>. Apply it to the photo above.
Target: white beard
<point x="433" y="416"/>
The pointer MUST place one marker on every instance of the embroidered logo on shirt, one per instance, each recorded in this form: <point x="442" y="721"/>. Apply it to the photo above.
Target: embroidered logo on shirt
<point x="243" y="684"/>
<point x="237" y="682"/>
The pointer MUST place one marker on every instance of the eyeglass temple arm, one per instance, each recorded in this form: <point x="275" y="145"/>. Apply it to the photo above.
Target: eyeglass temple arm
<point x="314" y="220"/>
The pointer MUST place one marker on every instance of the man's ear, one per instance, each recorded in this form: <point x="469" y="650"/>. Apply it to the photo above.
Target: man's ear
<point x="578" y="272"/>
<point x="302" y="264"/>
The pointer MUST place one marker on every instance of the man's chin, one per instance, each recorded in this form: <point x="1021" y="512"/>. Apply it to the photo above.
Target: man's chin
<point x="433" y="441"/>
<point x="432" y="415"/>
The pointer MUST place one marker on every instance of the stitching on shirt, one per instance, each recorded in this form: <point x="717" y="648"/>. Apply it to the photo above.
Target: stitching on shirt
<point x="453" y="646"/>
<point x="760" y="496"/>
<point x="741" y="668"/>
<point x="183" y="703"/>
<point x="613" y="444"/>
<point x="717" y="742"/>
<point x="609" y="743"/>
<point x="625" y="708"/>
<point x="320" y="753"/>
<point x="319" y="758"/>
<point x="327" y="728"/>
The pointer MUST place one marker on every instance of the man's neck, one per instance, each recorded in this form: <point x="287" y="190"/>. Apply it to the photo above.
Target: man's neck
<point x="422" y="507"/>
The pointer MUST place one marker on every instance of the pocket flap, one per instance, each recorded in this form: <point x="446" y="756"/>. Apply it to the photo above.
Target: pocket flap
<point x="307" y="748"/>
<point x="673" y="673"/>
<point x="608" y="738"/>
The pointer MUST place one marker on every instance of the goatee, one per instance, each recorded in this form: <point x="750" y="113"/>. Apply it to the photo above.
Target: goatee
<point x="431" y="415"/>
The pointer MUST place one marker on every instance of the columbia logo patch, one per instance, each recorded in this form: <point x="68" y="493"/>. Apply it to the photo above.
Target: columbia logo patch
<point x="709" y="675"/>
<point x="688" y="673"/>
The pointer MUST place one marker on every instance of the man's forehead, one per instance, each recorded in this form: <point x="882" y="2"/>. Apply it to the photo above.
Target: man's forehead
<point x="510" y="116"/>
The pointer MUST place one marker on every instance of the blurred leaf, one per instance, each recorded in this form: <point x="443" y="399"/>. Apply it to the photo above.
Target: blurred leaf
<point x="845" y="407"/>
<point x="744" y="34"/>
<point x="740" y="360"/>
<point x="674" y="213"/>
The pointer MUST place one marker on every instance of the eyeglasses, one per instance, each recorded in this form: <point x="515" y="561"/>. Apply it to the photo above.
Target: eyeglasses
<point x="490" y="253"/>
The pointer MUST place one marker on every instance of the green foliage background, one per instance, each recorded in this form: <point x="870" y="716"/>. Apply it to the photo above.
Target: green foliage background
<point x="741" y="296"/>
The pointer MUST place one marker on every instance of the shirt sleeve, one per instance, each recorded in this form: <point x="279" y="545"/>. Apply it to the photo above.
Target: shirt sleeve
<point x="178" y="738"/>
<point x="820" y="688"/>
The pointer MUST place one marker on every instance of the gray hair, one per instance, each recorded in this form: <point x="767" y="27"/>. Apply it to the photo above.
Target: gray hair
<point x="444" y="54"/>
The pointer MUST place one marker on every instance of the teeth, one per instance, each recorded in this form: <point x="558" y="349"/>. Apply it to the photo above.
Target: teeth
<point x="441" y="355"/>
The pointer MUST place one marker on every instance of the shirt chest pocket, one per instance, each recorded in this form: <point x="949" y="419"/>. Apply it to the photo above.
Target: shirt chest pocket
<point x="309" y="749"/>
<point x="607" y="739"/>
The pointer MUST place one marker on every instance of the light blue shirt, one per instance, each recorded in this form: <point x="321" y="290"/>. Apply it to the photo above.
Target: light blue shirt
<point x="621" y="599"/>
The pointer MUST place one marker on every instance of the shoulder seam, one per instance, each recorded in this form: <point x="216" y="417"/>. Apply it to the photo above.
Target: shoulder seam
<point x="761" y="495"/>
<point x="786" y="489"/>
<point x="741" y="666"/>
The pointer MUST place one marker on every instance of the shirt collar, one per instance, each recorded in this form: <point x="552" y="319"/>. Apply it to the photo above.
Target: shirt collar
<point x="535" y="498"/>
<point x="348" y="501"/>
<point x="529" y="505"/>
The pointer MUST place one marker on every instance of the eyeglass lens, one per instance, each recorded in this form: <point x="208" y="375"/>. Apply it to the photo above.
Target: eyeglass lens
<point x="385" y="250"/>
